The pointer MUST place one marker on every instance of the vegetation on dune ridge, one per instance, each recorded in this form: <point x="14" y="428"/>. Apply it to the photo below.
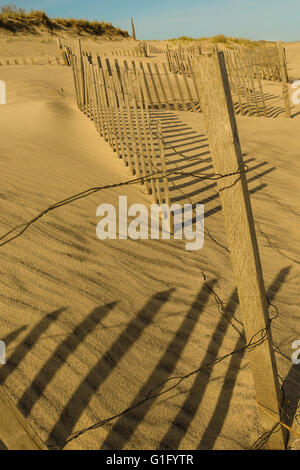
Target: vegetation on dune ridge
<point x="221" y="39"/>
<point x="16" y="19"/>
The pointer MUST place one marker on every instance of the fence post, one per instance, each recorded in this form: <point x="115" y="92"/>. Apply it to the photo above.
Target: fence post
<point x="168" y="58"/>
<point x="284" y="79"/>
<point x="83" y="90"/>
<point x="133" y="30"/>
<point x="15" y="431"/>
<point x="221" y="129"/>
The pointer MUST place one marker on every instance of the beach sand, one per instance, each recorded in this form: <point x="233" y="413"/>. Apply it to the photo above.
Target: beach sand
<point x="92" y="327"/>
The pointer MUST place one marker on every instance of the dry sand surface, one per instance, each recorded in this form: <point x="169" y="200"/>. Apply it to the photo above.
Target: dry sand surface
<point x="91" y="326"/>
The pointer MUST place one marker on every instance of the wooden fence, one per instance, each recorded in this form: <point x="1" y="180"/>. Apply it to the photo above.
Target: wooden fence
<point x="144" y="49"/>
<point x="152" y="84"/>
<point x="118" y="100"/>
<point x="258" y="88"/>
<point x="266" y="58"/>
<point x="258" y="77"/>
<point x="121" y="113"/>
<point x="258" y="80"/>
<point x="43" y="60"/>
<point x="178" y="59"/>
<point x="135" y="52"/>
<point x="154" y="49"/>
<point x="251" y="72"/>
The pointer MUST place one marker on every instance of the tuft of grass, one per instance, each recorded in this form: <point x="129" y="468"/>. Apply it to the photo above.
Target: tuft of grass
<point x="184" y="39"/>
<point x="221" y="39"/>
<point x="12" y="11"/>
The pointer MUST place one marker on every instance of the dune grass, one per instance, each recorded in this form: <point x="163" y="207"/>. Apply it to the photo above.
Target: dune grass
<point x="16" y="19"/>
<point x="219" y="39"/>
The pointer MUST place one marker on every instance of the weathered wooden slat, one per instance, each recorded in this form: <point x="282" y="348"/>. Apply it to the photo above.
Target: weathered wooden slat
<point x="222" y="132"/>
<point x="152" y="78"/>
<point x="174" y="99"/>
<point x="284" y="79"/>
<point x="159" y="77"/>
<point x="15" y="431"/>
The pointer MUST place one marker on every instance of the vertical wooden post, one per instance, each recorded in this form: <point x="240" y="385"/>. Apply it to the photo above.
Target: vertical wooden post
<point x="222" y="132"/>
<point x="85" y="83"/>
<point x="241" y="90"/>
<point x="145" y="84"/>
<point x="164" y="189"/>
<point x="133" y="30"/>
<point x="251" y="77"/>
<point x="121" y="123"/>
<point x="159" y="77"/>
<point x="152" y="78"/>
<point x="15" y="431"/>
<point x="148" y="139"/>
<point x="114" y="115"/>
<point x="184" y="105"/>
<point x="132" y="134"/>
<point x="141" y="157"/>
<point x="163" y="163"/>
<point x="103" y="101"/>
<point x="155" y="158"/>
<point x="82" y="76"/>
<point x="194" y="83"/>
<point x="74" y="69"/>
<point x="284" y="79"/>
<point x="234" y="81"/>
<point x="98" y="120"/>
<point x="61" y="50"/>
<point x="170" y="86"/>
<point x="168" y="58"/>
<point x="262" y="97"/>
<point x="239" y="67"/>
<point x="94" y="97"/>
<point x="188" y="91"/>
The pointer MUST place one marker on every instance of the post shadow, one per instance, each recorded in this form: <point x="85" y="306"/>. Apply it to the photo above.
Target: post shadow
<point x="21" y="351"/>
<point x="127" y="424"/>
<point x="217" y="420"/>
<point x="60" y="356"/>
<point x="13" y="335"/>
<point x="186" y="414"/>
<point x="291" y="389"/>
<point x="104" y="367"/>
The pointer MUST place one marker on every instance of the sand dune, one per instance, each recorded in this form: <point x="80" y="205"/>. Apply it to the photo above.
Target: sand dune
<point x="91" y="326"/>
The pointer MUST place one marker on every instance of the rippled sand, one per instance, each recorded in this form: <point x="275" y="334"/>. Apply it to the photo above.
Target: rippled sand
<point x="92" y="327"/>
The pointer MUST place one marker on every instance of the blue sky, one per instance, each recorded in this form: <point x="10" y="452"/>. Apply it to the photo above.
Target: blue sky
<point x="163" y="19"/>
